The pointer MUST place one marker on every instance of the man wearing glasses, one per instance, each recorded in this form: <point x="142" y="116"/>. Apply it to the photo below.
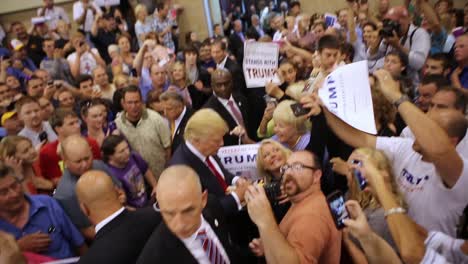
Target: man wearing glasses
<point x="307" y="233"/>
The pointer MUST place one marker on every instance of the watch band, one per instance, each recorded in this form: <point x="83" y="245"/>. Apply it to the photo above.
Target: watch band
<point x="395" y="210"/>
<point x="402" y="99"/>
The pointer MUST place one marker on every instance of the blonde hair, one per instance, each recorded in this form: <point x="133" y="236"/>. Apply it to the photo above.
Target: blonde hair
<point x="265" y="175"/>
<point x="283" y="113"/>
<point x="203" y="124"/>
<point x="120" y="78"/>
<point x="171" y="71"/>
<point x="8" y="145"/>
<point x="138" y="9"/>
<point x="367" y="199"/>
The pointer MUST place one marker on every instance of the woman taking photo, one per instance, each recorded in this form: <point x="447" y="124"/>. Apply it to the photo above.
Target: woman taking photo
<point x="18" y="153"/>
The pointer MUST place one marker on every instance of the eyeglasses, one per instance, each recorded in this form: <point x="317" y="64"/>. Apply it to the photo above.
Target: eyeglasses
<point x="295" y="167"/>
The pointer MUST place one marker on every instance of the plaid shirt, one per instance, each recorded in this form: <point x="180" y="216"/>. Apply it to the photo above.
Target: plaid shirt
<point x="160" y="26"/>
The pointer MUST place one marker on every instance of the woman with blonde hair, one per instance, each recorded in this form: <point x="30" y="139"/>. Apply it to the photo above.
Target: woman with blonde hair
<point x="290" y="130"/>
<point x="179" y="81"/>
<point x="367" y="198"/>
<point x="271" y="156"/>
<point x="18" y="153"/>
<point x="143" y="25"/>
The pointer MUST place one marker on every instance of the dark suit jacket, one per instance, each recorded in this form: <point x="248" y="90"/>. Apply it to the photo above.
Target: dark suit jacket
<point x="122" y="239"/>
<point x="236" y="46"/>
<point x="183" y="156"/>
<point x="179" y="133"/>
<point x="216" y="105"/>
<point x="164" y="247"/>
<point x="237" y="75"/>
<point x="199" y="98"/>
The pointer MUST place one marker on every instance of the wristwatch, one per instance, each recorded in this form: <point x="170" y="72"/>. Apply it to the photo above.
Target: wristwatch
<point x="403" y="98"/>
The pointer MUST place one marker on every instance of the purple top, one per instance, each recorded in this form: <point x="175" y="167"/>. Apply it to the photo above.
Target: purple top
<point x="132" y="178"/>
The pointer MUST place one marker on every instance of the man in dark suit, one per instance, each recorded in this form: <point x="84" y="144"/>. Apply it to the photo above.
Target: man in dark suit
<point x="232" y="107"/>
<point x="222" y="60"/>
<point x="203" y="137"/>
<point x="236" y="41"/>
<point x="120" y="234"/>
<point x="194" y="228"/>
<point x="177" y="113"/>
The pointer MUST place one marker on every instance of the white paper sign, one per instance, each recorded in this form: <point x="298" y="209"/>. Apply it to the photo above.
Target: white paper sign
<point x="260" y="63"/>
<point x="346" y="93"/>
<point x="107" y="2"/>
<point x="240" y="160"/>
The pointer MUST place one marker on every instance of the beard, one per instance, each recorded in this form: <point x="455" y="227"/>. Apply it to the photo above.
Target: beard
<point x="291" y="187"/>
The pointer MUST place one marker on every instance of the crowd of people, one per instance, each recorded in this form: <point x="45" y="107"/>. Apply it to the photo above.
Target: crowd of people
<point x="110" y="135"/>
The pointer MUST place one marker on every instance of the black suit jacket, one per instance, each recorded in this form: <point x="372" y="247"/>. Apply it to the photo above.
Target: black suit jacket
<point x="164" y="247"/>
<point x="216" y="105"/>
<point x="179" y="133"/>
<point x="237" y="46"/>
<point x="122" y="239"/>
<point x="199" y="98"/>
<point x="237" y="75"/>
<point x="183" y="156"/>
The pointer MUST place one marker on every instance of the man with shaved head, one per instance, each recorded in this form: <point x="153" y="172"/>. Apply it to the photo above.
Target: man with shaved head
<point x="193" y="230"/>
<point x="120" y="233"/>
<point x="78" y="159"/>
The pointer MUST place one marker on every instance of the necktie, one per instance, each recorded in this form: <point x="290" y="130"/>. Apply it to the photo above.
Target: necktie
<point x="218" y="175"/>
<point x="212" y="251"/>
<point x="237" y="114"/>
<point x="172" y="129"/>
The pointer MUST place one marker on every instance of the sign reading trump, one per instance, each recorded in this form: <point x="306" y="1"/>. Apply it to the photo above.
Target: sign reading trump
<point x="260" y="63"/>
<point x="240" y="160"/>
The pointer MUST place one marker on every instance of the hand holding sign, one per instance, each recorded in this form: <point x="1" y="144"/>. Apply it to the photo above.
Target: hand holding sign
<point x="346" y="93"/>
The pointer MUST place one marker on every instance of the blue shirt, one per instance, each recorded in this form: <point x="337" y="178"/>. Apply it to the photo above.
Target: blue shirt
<point x="301" y="143"/>
<point x="46" y="216"/>
<point x="146" y="84"/>
<point x="464" y="77"/>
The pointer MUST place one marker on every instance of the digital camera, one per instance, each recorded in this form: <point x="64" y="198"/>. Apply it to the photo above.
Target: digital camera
<point x="389" y="26"/>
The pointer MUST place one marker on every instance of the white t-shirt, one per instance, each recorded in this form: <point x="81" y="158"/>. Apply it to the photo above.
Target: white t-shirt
<point x="87" y="61"/>
<point x="443" y="249"/>
<point x="462" y="147"/>
<point x="431" y="204"/>
<point x="78" y="12"/>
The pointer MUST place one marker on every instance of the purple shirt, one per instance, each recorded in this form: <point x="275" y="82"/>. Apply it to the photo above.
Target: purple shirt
<point x="133" y="181"/>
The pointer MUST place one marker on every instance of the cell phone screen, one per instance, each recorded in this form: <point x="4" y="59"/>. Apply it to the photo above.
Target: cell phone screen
<point x="336" y="202"/>
<point x="299" y="110"/>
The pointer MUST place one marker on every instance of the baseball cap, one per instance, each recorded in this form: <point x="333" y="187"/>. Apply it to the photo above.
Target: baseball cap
<point x="396" y="13"/>
<point x="7" y="116"/>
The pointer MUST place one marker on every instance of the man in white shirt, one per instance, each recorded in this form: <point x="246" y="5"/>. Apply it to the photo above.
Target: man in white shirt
<point x="83" y="14"/>
<point x="53" y="14"/>
<point x="85" y="59"/>
<point x="114" y="225"/>
<point x="194" y="227"/>
<point x="428" y="170"/>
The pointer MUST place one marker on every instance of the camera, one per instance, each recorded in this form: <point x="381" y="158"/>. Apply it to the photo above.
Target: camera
<point x="388" y="27"/>
<point x="273" y="191"/>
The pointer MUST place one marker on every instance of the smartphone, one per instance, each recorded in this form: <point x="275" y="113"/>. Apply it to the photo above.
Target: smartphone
<point x="299" y="110"/>
<point x="43" y="136"/>
<point x="336" y="203"/>
<point x="360" y="180"/>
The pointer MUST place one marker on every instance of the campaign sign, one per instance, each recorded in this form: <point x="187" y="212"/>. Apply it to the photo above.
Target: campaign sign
<point x="240" y="160"/>
<point x="107" y="2"/>
<point x="346" y="93"/>
<point x="260" y="63"/>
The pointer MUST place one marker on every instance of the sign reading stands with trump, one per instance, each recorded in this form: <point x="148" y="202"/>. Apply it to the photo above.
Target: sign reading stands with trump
<point x="260" y="63"/>
<point x="346" y="93"/>
<point x="240" y="160"/>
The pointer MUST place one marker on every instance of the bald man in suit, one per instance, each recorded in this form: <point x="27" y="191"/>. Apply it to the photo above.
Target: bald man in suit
<point x="120" y="234"/>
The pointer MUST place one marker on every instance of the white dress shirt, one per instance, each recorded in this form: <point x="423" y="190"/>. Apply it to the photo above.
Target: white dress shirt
<point x="222" y="64"/>
<point x="78" y="12"/>
<point x="225" y="102"/>
<point x="196" y="248"/>
<point x="215" y="163"/>
<point x="108" y="219"/>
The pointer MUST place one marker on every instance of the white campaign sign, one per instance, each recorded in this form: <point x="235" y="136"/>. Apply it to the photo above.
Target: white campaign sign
<point x="240" y="160"/>
<point x="107" y="2"/>
<point x="260" y="63"/>
<point x="346" y="93"/>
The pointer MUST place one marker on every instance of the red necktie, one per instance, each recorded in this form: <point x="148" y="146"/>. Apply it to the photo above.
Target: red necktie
<point x="236" y="113"/>
<point x="211" y="249"/>
<point x="218" y="175"/>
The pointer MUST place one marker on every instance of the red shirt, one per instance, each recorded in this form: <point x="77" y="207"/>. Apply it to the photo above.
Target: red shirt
<point x="49" y="159"/>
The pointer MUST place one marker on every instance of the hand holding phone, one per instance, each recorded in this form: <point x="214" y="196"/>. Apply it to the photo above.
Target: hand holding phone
<point x="360" y="180"/>
<point x="299" y="110"/>
<point x="336" y="203"/>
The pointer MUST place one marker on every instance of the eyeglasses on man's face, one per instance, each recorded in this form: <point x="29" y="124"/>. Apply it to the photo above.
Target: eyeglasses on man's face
<point x="297" y="167"/>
